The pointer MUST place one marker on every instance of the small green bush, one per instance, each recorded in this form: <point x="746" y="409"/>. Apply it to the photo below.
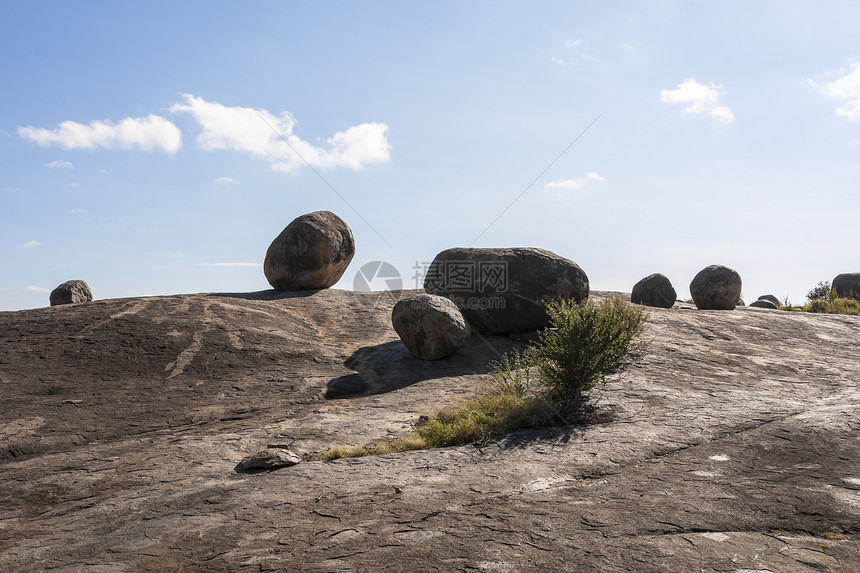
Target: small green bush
<point x="823" y="299"/>
<point x="835" y="306"/>
<point x="588" y="339"/>
<point x="821" y="291"/>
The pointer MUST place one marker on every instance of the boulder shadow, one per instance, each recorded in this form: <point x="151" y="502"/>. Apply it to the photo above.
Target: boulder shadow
<point x="589" y="414"/>
<point x="270" y="294"/>
<point x="390" y="366"/>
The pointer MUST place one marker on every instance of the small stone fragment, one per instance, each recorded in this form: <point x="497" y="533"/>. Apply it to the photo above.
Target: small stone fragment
<point x="270" y="459"/>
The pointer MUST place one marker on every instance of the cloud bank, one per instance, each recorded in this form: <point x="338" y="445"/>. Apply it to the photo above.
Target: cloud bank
<point x="700" y="99"/>
<point x="575" y="183"/>
<point x="846" y="87"/>
<point x="270" y="137"/>
<point x="145" y="133"/>
<point x="60" y="164"/>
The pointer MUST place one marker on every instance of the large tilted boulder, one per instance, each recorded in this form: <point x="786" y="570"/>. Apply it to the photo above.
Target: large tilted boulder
<point x="847" y="285"/>
<point x="71" y="292"/>
<point x="502" y="291"/>
<point x="312" y="252"/>
<point x="716" y="288"/>
<point x="654" y="290"/>
<point x="430" y="326"/>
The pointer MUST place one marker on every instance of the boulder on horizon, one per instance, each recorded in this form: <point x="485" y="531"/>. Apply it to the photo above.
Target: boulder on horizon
<point x="654" y="290"/>
<point x="504" y="290"/>
<point x="312" y="252"/>
<point x="71" y="292"/>
<point x="847" y="285"/>
<point x="716" y="288"/>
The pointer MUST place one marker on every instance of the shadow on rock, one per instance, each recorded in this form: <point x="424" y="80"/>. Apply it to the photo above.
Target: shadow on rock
<point x="587" y="415"/>
<point x="270" y="294"/>
<point x="390" y="366"/>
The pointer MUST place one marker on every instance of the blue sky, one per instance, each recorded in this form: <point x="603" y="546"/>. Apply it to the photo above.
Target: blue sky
<point x="137" y="149"/>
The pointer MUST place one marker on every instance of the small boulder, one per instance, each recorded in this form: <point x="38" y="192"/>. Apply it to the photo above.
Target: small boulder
<point x="271" y="458"/>
<point x="847" y="285"/>
<point x="71" y="292"/>
<point x="764" y="303"/>
<point x="716" y="288"/>
<point x="771" y="298"/>
<point x="654" y="290"/>
<point x="430" y="326"/>
<point x="312" y="252"/>
<point x="503" y="291"/>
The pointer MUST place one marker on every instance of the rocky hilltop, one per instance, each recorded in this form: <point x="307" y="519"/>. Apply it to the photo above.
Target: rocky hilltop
<point x="730" y="444"/>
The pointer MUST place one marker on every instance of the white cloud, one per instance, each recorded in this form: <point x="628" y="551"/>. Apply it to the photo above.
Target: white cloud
<point x="573" y="43"/>
<point x="15" y="190"/>
<point x="78" y="211"/>
<point x="33" y="288"/>
<point x="225" y="181"/>
<point x="559" y="61"/>
<point x="575" y="183"/>
<point x="254" y="131"/>
<point x="30" y="244"/>
<point x="147" y="133"/>
<point x="700" y="99"/>
<point x="60" y="164"/>
<point x="229" y="264"/>
<point x="847" y="87"/>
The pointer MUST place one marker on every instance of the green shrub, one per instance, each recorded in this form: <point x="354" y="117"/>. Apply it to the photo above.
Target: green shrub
<point x="588" y="339"/>
<point x="823" y="299"/>
<point x="835" y="306"/>
<point x="821" y="291"/>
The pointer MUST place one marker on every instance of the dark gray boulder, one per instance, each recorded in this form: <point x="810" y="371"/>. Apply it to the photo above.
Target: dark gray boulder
<point x="654" y="290"/>
<point x="503" y="291"/>
<point x="847" y="285"/>
<point x="430" y="326"/>
<point x="71" y="292"/>
<point x="764" y="303"/>
<point x="770" y="298"/>
<point x="312" y="252"/>
<point x="716" y="288"/>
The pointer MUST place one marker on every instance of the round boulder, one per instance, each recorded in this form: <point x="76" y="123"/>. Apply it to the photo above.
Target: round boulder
<point x="716" y="288"/>
<point x="771" y="298"/>
<point x="71" y="292"/>
<point x="654" y="290"/>
<point x="312" y="252"/>
<point x="430" y="326"/>
<point x="764" y="303"/>
<point x="847" y="285"/>
<point x="503" y="291"/>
